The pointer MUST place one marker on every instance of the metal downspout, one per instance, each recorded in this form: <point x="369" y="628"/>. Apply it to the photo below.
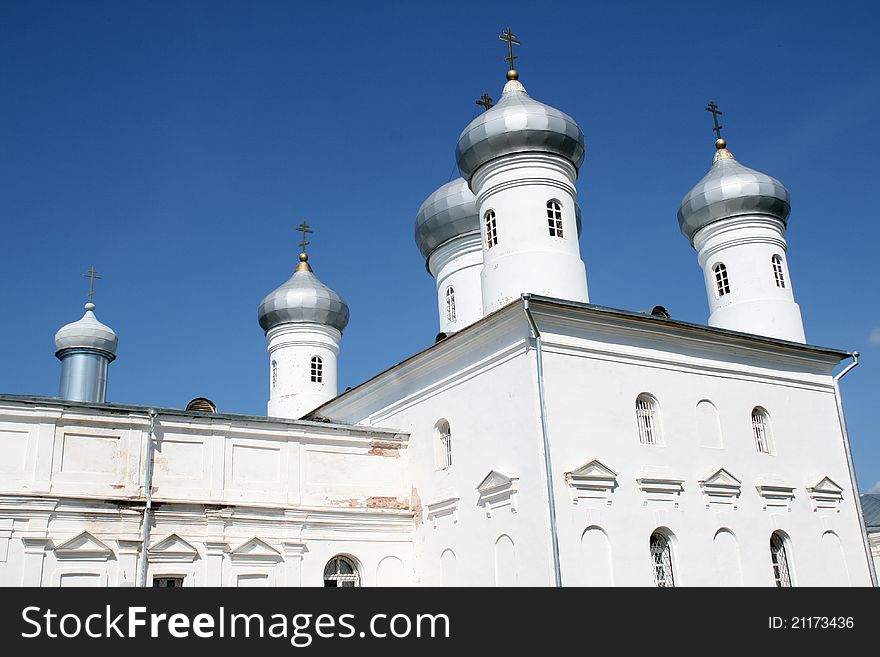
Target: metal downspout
<point x="536" y="334"/>
<point x="148" y="506"/>
<point x="849" y="460"/>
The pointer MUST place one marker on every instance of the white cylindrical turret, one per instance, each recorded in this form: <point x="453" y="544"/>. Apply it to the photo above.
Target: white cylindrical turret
<point x="303" y="320"/>
<point x="736" y="218"/>
<point x="85" y="348"/>
<point x="521" y="159"/>
<point x="448" y="235"/>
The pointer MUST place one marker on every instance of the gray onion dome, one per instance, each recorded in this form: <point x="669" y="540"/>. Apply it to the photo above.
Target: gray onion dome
<point x="303" y="298"/>
<point x="87" y="333"/>
<point x="518" y="124"/>
<point x="447" y="213"/>
<point x="728" y="190"/>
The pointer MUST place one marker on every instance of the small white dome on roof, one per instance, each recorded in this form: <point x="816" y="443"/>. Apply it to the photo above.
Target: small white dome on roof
<point x="87" y="333"/>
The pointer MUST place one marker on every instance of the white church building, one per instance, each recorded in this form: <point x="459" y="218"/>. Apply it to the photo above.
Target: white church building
<point x="541" y="440"/>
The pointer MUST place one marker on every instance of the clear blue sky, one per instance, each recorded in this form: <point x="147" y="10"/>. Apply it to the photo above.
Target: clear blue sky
<point x="175" y="145"/>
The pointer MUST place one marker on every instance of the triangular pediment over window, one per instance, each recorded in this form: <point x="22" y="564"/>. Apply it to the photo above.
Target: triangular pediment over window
<point x="84" y="546"/>
<point x="826" y="494"/>
<point x="592" y="481"/>
<point x="173" y="548"/>
<point x="721" y="488"/>
<point x="497" y="490"/>
<point x="255" y="550"/>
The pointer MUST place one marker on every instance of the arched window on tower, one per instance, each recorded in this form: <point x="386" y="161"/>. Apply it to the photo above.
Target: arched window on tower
<point x="761" y="430"/>
<point x="778" y="273"/>
<point x="779" y="560"/>
<point x="274" y="373"/>
<point x="661" y="560"/>
<point x="491" y="229"/>
<point x="554" y="218"/>
<point x="450" y="304"/>
<point x="648" y="418"/>
<point x="444" y="445"/>
<point x="722" y="284"/>
<point x="342" y="572"/>
<point x="317" y="369"/>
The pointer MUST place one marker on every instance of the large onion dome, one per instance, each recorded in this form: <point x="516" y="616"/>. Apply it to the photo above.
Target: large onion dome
<point x="518" y="124"/>
<point x="303" y="298"/>
<point x="87" y="333"/>
<point x="449" y="212"/>
<point x="728" y="190"/>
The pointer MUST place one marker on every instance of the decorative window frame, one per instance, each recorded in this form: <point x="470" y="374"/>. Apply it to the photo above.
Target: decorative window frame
<point x="255" y="551"/>
<point x="83" y="547"/>
<point x="497" y="491"/>
<point x="445" y="507"/>
<point x="826" y="494"/>
<point x="662" y="490"/>
<point x="591" y="481"/>
<point x="721" y="489"/>
<point x="774" y="495"/>
<point x="720" y="279"/>
<point x="172" y="549"/>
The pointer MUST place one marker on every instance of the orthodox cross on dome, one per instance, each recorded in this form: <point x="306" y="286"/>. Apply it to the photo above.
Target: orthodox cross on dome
<point x="91" y="274"/>
<point x="485" y="101"/>
<point x="304" y="229"/>
<point x="712" y="107"/>
<point x="510" y="37"/>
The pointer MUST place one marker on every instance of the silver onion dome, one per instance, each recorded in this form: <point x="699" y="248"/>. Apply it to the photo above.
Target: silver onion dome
<point x="87" y="333"/>
<point x="728" y="190"/>
<point x="447" y="213"/>
<point x="303" y="298"/>
<point x="518" y="124"/>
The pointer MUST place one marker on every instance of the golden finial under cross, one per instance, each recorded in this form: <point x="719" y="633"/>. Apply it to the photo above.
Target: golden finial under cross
<point x="510" y="37"/>
<point x="485" y="101"/>
<point x="91" y="274"/>
<point x="304" y="229"/>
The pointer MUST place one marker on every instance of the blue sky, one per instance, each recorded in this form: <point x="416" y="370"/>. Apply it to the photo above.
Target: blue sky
<point x="175" y="146"/>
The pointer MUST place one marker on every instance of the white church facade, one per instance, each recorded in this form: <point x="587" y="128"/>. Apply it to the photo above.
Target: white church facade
<point x="541" y="440"/>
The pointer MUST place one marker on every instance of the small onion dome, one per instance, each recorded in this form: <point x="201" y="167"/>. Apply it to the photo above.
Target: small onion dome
<point x="87" y="333"/>
<point x="728" y="190"/>
<point x="303" y="298"/>
<point x="447" y="213"/>
<point x="518" y="124"/>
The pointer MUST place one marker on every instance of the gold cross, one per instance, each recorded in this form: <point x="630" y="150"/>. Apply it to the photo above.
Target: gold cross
<point x="92" y="274"/>
<point x="485" y="101"/>
<point x="715" y="114"/>
<point x="304" y="229"/>
<point x="510" y="37"/>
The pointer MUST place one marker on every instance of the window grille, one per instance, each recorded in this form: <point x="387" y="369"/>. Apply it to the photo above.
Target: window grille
<point x="167" y="582"/>
<point x="554" y="218"/>
<point x="779" y="559"/>
<point x="450" y="304"/>
<point x="317" y="369"/>
<point x="274" y="373"/>
<point x="341" y="572"/>
<point x="445" y="445"/>
<point x="491" y="229"/>
<point x="647" y="417"/>
<point x="778" y="274"/>
<point x="722" y="284"/>
<point x="661" y="558"/>
<point x="761" y="429"/>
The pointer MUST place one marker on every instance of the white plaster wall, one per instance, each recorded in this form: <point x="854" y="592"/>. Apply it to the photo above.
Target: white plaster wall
<point x="458" y="264"/>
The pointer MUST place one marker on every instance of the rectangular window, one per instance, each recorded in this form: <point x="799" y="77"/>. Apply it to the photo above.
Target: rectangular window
<point x="554" y="218"/>
<point x="491" y="229"/>
<point x="166" y="582"/>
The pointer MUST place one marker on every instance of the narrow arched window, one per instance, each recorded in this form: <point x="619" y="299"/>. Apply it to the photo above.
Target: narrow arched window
<point x="274" y="373"/>
<point x="317" y="369"/>
<point x="450" y="304"/>
<point x="779" y="560"/>
<point x="778" y="274"/>
<point x="761" y="430"/>
<point x="444" y="445"/>
<point x="491" y="229"/>
<point x="554" y="218"/>
<point x="722" y="284"/>
<point x="661" y="560"/>
<point x="648" y="418"/>
<point x="341" y="571"/>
